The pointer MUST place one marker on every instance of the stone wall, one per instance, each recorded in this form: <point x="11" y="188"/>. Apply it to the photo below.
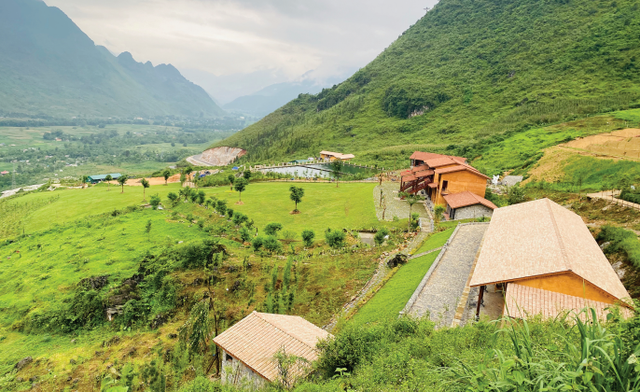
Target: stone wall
<point x="236" y="373"/>
<point x="470" y="212"/>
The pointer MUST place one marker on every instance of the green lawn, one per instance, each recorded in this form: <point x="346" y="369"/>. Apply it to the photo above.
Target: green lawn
<point x="323" y="205"/>
<point x="75" y="204"/>
<point x="435" y="240"/>
<point x="389" y="301"/>
<point x="38" y="270"/>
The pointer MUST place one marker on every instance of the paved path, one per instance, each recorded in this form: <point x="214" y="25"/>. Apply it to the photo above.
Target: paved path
<point x="395" y="206"/>
<point x="445" y="286"/>
<point x="609" y="196"/>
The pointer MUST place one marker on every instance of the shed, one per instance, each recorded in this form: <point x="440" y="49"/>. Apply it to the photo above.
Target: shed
<point x="467" y="205"/>
<point x="548" y="260"/>
<point x="250" y="347"/>
<point x="102" y="177"/>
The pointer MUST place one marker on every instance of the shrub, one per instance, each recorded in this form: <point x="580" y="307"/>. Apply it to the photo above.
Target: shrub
<point x="257" y="243"/>
<point x="155" y="201"/>
<point x="221" y="206"/>
<point x="272" y="229"/>
<point x="335" y="238"/>
<point x="379" y="237"/>
<point x="307" y="238"/>
<point x="245" y="234"/>
<point x="230" y="213"/>
<point x="173" y="197"/>
<point x="239" y="218"/>
<point x="516" y="195"/>
<point x="271" y="244"/>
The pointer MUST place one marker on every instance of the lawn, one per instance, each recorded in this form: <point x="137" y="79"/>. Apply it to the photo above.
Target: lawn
<point x="435" y="240"/>
<point x="73" y="204"/>
<point x="323" y="206"/>
<point x="38" y="270"/>
<point x="391" y="299"/>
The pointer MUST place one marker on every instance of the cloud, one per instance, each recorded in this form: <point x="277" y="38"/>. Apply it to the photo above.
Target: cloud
<point x="224" y="37"/>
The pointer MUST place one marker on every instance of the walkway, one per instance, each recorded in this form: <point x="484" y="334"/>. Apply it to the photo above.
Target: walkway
<point x="395" y="206"/>
<point x="609" y="196"/>
<point x="446" y="283"/>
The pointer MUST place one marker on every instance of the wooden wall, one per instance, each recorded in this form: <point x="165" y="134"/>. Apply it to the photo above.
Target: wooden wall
<point x="459" y="182"/>
<point x="570" y="284"/>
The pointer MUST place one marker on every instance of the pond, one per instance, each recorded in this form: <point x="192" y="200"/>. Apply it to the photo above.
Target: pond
<point x="321" y="170"/>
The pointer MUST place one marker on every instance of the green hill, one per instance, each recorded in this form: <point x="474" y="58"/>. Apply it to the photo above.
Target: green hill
<point x="466" y="75"/>
<point x="49" y="67"/>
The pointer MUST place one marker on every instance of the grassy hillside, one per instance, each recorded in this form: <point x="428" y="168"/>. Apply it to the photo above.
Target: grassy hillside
<point x="49" y="67"/>
<point x="466" y="74"/>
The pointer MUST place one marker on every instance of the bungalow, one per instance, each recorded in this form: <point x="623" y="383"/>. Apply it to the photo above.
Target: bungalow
<point x="102" y="177"/>
<point x="468" y="205"/>
<point x="546" y="262"/>
<point x="332" y="156"/>
<point x="250" y="346"/>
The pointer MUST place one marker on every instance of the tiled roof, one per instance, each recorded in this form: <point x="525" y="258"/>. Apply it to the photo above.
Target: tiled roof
<point x="408" y="177"/>
<point x="465" y="199"/>
<point x="419" y="168"/>
<point x="255" y="340"/>
<point x="425" y="156"/>
<point x="452" y="169"/>
<point x="524" y="301"/>
<point x="432" y="185"/>
<point x="425" y="173"/>
<point x="542" y="238"/>
<point x="439" y="162"/>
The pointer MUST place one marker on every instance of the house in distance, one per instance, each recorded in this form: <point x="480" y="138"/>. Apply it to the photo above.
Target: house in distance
<point x="332" y="156"/>
<point x="102" y="177"/>
<point x="449" y="181"/>
<point x="250" y="346"/>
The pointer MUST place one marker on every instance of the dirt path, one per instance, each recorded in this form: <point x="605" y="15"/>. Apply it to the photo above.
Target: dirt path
<point x="610" y="197"/>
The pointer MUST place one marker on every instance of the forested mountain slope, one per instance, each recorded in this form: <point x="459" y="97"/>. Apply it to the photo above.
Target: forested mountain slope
<point x="464" y="75"/>
<point x="49" y="67"/>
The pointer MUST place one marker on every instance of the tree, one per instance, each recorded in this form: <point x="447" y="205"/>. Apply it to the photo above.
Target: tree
<point x="437" y="213"/>
<point x="247" y="175"/>
<point x="148" y="227"/>
<point x="411" y="199"/>
<point x="108" y="179"/>
<point x="307" y="238"/>
<point x="201" y="197"/>
<point x="145" y="185"/>
<point x="335" y="238"/>
<point x="84" y="180"/>
<point x="122" y="180"/>
<point x="240" y="185"/>
<point x="515" y="195"/>
<point x="231" y="179"/>
<point x="336" y="165"/>
<point x="166" y="173"/>
<point x="155" y="201"/>
<point x="296" y="196"/>
<point x="272" y="229"/>
<point x="381" y="236"/>
<point x="173" y="197"/>
<point x="185" y="192"/>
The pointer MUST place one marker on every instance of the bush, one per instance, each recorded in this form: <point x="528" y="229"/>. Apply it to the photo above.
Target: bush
<point x="335" y="238"/>
<point x="230" y="213"/>
<point x="272" y="229"/>
<point x="271" y="244"/>
<point x="239" y="218"/>
<point x="516" y="195"/>
<point x="155" y="201"/>
<point x="257" y="243"/>
<point x="379" y="237"/>
<point x="245" y="234"/>
<point x="307" y="238"/>
<point x="173" y="197"/>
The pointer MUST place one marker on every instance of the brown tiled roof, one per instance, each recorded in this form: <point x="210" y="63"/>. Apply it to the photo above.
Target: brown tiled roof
<point x="408" y="177"/>
<point x="425" y="173"/>
<point x="425" y="156"/>
<point x="465" y="199"/>
<point x="255" y="340"/>
<point x="452" y="169"/>
<point x="432" y="185"/>
<point x="524" y="301"/>
<point x="439" y="162"/>
<point x="540" y="238"/>
<point x="419" y="168"/>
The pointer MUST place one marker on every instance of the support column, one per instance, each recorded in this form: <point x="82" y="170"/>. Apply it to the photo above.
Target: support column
<point x="480" y="297"/>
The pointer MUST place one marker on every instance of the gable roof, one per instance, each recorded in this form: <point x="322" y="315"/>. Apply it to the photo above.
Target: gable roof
<point x="465" y="199"/>
<point x="425" y="156"/>
<point x="457" y="168"/>
<point x="255" y="340"/>
<point x="541" y="238"/>
<point x="524" y="301"/>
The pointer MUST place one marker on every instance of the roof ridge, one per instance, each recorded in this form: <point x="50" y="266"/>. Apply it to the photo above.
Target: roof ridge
<point x="563" y="249"/>
<point x="284" y="332"/>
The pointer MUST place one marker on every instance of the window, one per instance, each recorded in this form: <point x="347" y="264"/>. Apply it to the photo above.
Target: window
<point x="228" y="357"/>
<point x="445" y="184"/>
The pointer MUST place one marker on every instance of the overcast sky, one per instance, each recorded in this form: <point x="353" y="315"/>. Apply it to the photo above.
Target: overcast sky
<point x="286" y="38"/>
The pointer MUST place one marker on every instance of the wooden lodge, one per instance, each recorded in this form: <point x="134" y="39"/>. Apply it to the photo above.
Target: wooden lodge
<point x="332" y="156"/>
<point x="449" y="181"/>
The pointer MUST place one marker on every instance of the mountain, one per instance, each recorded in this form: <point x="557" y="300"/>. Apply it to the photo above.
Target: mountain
<point x="467" y="74"/>
<point x="270" y="98"/>
<point x="49" y="67"/>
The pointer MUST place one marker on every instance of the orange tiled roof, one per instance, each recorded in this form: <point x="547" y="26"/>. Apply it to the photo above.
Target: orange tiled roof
<point x="255" y="340"/>
<point x="523" y="301"/>
<point x="457" y="168"/>
<point x="408" y="177"/>
<point x="425" y="173"/>
<point x="419" y="168"/>
<point x="425" y="156"/>
<point x="540" y="238"/>
<point x="465" y="199"/>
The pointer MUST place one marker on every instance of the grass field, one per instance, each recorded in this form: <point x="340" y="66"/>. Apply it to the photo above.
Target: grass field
<point x="75" y="204"/>
<point x="323" y="205"/>
<point x="390" y="300"/>
<point x="434" y="241"/>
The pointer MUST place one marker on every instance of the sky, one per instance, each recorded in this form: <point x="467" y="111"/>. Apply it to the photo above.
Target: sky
<point x="247" y="42"/>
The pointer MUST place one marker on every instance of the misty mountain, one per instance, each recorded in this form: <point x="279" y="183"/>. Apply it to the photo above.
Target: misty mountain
<point x="49" y="67"/>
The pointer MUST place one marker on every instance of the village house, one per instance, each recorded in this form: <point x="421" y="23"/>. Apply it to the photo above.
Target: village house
<point x="250" y="346"/>
<point x="332" y="156"/>
<point x="102" y="177"/>
<point x="4" y="173"/>
<point x="544" y="260"/>
<point x="449" y="181"/>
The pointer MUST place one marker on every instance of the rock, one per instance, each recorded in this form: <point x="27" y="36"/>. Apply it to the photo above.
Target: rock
<point x="99" y="353"/>
<point x="73" y="341"/>
<point x="158" y="321"/>
<point x="95" y="283"/>
<point x="72" y="361"/>
<point x="173" y="336"/>
<point x="75" y="381"/>
<point x="197" y="282"/>
<point x="23" y="362"/>
<point x="68" y="378"/>
<point x="109" y="365"/>
<point x="604" y="245"/>
<point x="399" y="259"/>
<point x="19" y="379"/>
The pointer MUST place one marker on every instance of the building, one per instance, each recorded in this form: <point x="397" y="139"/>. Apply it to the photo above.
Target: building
<point x="546" y="262"/>
<point x="102" y="177"/>
<point x="332" y="156"/>
<point x="249" y="347"/>
<point x="4" y="173"/>
<point x="440" y="177"/>
<point x="468" y="205"/>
